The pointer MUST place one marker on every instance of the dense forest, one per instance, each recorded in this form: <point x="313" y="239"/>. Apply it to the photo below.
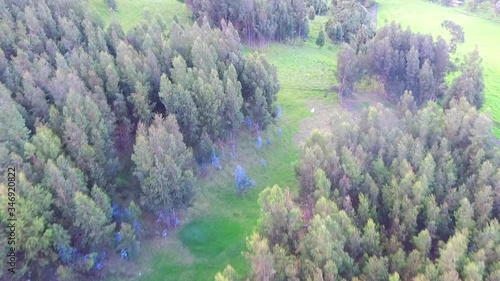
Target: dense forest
<point x="405" y="195"/>
<point x="109" y="129"/>
<point x="76" y="96"/>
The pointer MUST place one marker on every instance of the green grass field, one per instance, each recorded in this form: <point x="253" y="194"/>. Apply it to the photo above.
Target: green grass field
<point x="131" y="12"/>
<point x="425" y="17"/>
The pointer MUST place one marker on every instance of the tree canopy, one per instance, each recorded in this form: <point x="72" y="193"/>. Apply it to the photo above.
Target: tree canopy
<point x="257" y="21"/>
<point x="75" y="97"/>
<point x="410" y="195"/>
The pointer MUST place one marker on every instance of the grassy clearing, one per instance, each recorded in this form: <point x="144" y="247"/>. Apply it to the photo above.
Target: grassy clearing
<point x="131" y="12"/>
<point x="426" y="17"/>
<point x="216" y="226"/>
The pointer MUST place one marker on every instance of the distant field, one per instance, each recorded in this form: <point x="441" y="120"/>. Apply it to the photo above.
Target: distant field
<point x="426" y="17"/>
<point x="131" y="12"/>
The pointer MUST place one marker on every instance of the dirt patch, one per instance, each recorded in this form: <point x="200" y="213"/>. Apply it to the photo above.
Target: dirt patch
<point x="358" y="102"/>
<point x="321" y="112"/>
<point x="319" y="119"/>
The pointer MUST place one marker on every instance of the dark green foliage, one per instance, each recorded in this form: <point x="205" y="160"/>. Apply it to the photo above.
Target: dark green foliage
<point x="320" y="7"/>
<point x="210" y="95"/>
<point x="401" y="61"/>
<point x="92" y="221"/>
<point x="470" y="83"/>
<point x="260" y="86"/>
<point x="423" y="185"/>
<point x="334" y="31"/>
<point x="129" y="241"/>
<point x="257" y="21"/>
<point x="311" y="14"/>
<point x="163" y="164"/>
<point x="112" y="5"/>
<point x="88" y="137"/>
<point x="13" y="127"/>
<point x="349" y="70"/>
<point x="457" y="34"/>
<point x="349" y="17"/>
<point x="320" y="41"/>
<point x="72" y="94"/>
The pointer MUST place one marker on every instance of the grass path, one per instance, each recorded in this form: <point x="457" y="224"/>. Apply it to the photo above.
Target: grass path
<point x="426" y="17"/>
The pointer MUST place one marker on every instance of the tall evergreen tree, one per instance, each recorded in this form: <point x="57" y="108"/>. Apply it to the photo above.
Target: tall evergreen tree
<point x="163" y="164"/>
<point x="470" y="83"/>
<point x="96" y="227"/>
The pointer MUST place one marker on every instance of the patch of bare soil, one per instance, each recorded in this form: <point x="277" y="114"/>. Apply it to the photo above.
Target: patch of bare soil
<point x="357" y="102"/>
<point x="321" y="112"/>
<point x="319" y="119"/>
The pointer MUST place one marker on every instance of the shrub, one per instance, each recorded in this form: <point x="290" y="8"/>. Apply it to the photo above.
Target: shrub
<point x="243" y="182"/>
<point x="259" y="142"/>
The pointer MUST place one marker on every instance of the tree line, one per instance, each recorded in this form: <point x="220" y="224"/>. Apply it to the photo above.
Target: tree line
<point x="257" y="21"/>
<point x="78" y="99"/>
<point x="350" y="22"/>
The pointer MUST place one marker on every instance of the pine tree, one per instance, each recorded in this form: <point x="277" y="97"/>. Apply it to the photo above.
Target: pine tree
<point x="413" y="72"/>
<point x="371" y="239"/>
<point x="281" y="220"/>
<point x="64" y="180"/>
<point x="87" y="138"/>
<point x="427" y="83"/>
<point x="92" y="221"/>
<point x="348" y="70"/>
<point x="470" y="84"/>
<point x="320" y="41"/>
<point x="260" y="258"/>
<point x="163" y="164"/>
<point x="178" y="100"/>
<point x="259" y="111"/>
<point x="229" y="274"/>
<point x="232" y="115"/>
<point x="13" y="126"/>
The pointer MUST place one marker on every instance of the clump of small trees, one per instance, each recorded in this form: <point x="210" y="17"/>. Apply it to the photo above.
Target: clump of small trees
<point x="401" y="60"/>
<point x="350" y="22"/>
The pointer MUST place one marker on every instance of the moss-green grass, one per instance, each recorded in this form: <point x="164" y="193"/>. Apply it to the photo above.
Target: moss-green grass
<point x="131" y="12"/>
<point x="425" y="17"/>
